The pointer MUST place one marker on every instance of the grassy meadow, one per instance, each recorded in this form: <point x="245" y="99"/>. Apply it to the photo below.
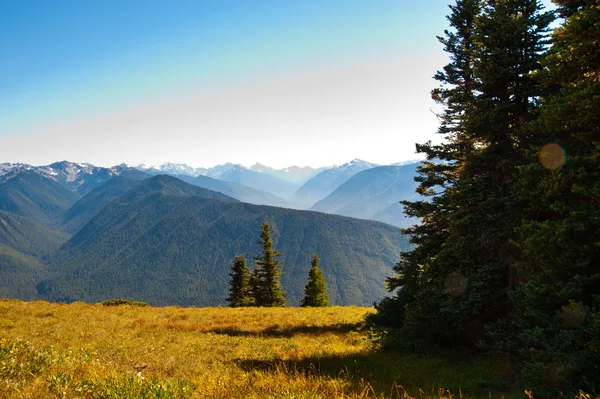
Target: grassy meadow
<point x="50" y="350"/>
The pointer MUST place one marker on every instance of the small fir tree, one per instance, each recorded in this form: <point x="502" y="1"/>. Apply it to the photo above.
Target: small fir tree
<point x="268" y="291"/>
<point x="239" y="285"/>
<point x="315" y="291"/>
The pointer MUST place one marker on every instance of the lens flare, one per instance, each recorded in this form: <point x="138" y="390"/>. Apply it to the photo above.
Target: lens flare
<point x="552" y="156"/>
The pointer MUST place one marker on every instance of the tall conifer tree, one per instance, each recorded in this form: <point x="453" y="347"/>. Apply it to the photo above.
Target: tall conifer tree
<point x="456" y="281"/>
<point x="415" y="306"/>
<point x="269" y="292"/>
<point x="478" y="256"/>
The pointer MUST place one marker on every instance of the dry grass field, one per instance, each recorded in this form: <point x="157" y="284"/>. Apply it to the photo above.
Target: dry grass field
<point x="79" y="350"/>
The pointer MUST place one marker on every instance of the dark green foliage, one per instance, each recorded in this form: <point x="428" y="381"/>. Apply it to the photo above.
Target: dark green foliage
<point x="415" y="307"/>
<point x="554" y="331"/>
<point x="23" y="243"/>
<point x="457" y="279"/>
<point x="28" y="237"/>
<point x="315" y="290"/>
<point x="121" y="302"/>
<point x="240" y="290"/>
<point x="19" y="274"/>
<point x="93" y="202"/>
<point x="267" y="285"/>
<point x="509" y="243"/>
<point x="181" y="245"/>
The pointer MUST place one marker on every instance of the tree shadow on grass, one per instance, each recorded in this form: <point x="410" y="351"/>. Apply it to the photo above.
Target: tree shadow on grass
<point x="278" y="331"/>
<point x="393" y="373"/>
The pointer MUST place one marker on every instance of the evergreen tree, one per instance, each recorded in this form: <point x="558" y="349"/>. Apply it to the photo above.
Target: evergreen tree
<point x="415" y="306"/>
<point x="315" y="291"/>
<point x="478" y="258"/>
<point x="255" y="286"/>
<point x="456" y="281"/>
<point x="555" y="329"/>
<point x="239" y="285"/>
<point x="268" y="291"/>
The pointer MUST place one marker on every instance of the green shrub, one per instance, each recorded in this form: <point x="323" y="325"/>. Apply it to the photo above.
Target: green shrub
<point x="120" y="302"/>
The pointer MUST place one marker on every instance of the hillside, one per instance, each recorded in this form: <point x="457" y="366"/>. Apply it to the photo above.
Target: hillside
<point x="374" y="194"/>
<point x="28" y="237"/>
<point x="35" y="196"/>
<point x="165" y="242"/>
<point x="325" y="182"/>
<point x="19" y="274"/>
<point x="22" y="245"/>
<point x="89" y="206"/>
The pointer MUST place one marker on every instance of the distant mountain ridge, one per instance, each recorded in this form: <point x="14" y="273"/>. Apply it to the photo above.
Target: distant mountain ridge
<point x="260" y="181"/>
<point x="292" y="187"/>
<point x="80" y="178"/>
<point x="234" y="190"/>
<point x="324" y="183"/>
<point x="42" y="193"/>
<point x="374" y="194"/>
<point x="292" y="174"/>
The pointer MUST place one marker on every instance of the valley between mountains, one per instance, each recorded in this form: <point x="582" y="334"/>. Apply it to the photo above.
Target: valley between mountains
<point x="167" y="235"/>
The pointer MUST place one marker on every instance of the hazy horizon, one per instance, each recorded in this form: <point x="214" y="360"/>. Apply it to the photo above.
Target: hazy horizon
<point x="148" y="165"/>
<point x="205" y="83"/>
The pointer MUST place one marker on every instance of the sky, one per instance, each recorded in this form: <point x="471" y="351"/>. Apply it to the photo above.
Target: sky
<point x="205" y="82"/>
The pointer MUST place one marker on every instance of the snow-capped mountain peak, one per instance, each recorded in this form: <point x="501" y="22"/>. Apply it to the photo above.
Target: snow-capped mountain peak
<point x="172" y="168"/>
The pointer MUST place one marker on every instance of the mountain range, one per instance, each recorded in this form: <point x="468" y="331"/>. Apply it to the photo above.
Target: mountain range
<point x="324" y="183"/>
<point x="168" y="242"/>
<point x="72" y="231"/>
<point x="292" y="174"/>
<point x="374" y="194"/>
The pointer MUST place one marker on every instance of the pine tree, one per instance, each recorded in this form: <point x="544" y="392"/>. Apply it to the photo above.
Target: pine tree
<point x="268" y="291"/>
<point x="255" y="286"/>
<point x="478" y="256"/>
<point x="415" y="305"/>
<point x="315" y="291"/>
<point x="239" y="285"/>
<point x="457" y="279"/>
<point x="555" y="330"/>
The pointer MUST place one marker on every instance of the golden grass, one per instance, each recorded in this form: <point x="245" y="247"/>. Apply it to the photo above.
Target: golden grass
<point x="94" y="351"/>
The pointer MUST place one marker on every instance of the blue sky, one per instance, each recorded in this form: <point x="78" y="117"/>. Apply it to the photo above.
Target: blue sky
<point x="72" y="72"/>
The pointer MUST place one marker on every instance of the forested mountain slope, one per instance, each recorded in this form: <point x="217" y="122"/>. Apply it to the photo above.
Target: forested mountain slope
<point x="167" y="242"/>
<point x="37" y="197"/>
<point x="89" y="206"/>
